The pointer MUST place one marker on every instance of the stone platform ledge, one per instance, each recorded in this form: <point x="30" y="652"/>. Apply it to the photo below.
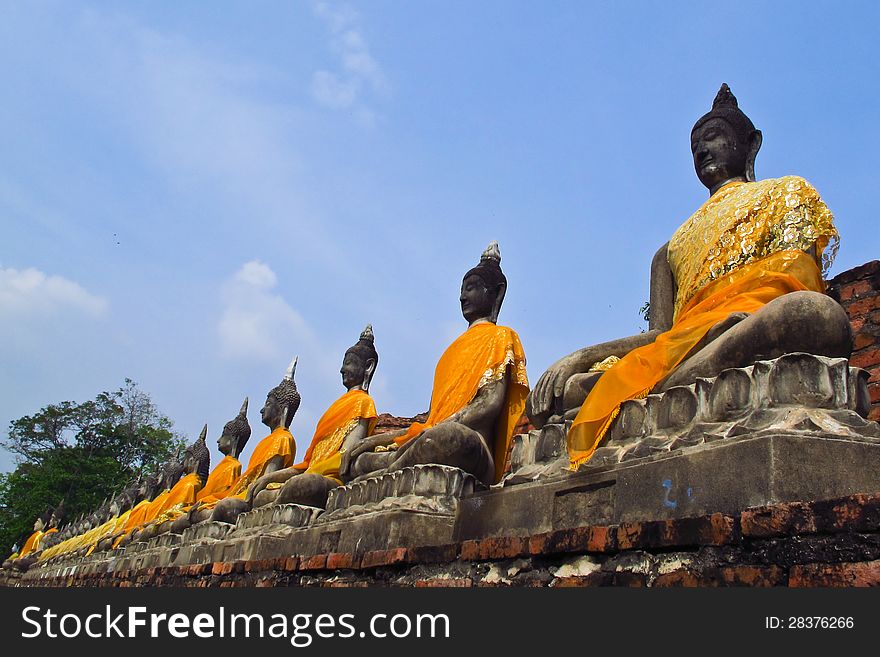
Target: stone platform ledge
<point x="833" y="542"/>
<point x="424" y="488"/>
<point x="724" y="476"/>
<point x="796" y="392"/>
<point x="209" y="530"/>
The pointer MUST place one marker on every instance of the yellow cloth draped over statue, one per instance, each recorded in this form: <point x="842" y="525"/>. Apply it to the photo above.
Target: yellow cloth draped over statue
<point x="221" y="479"/>
<point x="278" y="443"/>
<point x="32" y="544"/>
<point x="743" y="248"/>
<point x="478" y="356"/>
<point x="323" y="456"/>
<point x="183" y="494"/>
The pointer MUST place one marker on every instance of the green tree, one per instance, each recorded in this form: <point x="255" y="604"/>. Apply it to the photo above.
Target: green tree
<point x="81" y="453"/>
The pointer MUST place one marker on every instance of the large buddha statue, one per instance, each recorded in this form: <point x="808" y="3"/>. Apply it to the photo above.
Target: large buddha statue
<point x="274" y="452"/>
<point x="479" y="393"/>
<point x="348" y="421"/>
<point x="225" y="474"/>
<point x="741" y="280"/>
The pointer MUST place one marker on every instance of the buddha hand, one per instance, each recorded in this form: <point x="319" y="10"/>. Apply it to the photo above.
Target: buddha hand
<point x="551" y="386"/>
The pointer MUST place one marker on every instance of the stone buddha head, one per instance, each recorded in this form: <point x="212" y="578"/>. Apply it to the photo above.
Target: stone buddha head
<point x="235" y="434"/>
<point x="57" y="515"/>
<point x="359" y="362"/>
<point x="724" y="143"/>
<point x="483" y="287"/>
<point x="197" y="458"/>
<point x="148" y="487"/>
<point x="171" y="473"/>
<point x="281" y="402"/>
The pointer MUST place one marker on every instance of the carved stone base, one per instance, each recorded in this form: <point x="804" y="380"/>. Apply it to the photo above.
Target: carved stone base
<point x="797" y="392"/>
<point x="291" y="515"/>
<point x="424" y="488"/>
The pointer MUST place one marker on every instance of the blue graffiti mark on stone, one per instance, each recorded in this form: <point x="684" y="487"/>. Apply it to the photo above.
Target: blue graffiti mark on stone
<point x="672" y="504"/>
<point x="690" y="491"/>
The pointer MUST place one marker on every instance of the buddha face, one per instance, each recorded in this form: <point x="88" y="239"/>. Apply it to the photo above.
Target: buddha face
<point x="226" y="444"/>
<point x="719" y="153"/>
<point x="476" y="298"/>
<point x="353" y="370"/>
<point x="271" y="411"/>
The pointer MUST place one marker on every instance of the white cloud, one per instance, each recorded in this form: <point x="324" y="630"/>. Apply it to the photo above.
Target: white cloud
<point x="359" y="70"/>
<point x="257" y="323"/>
<point x="329" y="90"/>
<point x="32" y="293"/>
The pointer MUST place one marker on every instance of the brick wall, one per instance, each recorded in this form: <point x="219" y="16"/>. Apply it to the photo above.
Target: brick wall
<point x="817" y="543"/>
<point x="858" y="291"/>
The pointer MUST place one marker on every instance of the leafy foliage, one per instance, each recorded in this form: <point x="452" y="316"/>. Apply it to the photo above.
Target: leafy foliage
<point x="82" y="454"/>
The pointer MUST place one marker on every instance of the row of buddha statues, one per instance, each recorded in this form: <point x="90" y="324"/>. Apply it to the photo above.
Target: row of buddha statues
<point x="741" y="280"/>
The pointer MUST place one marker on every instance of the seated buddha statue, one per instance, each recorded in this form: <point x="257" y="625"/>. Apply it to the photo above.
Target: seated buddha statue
<point x="274" y="452"/>
<point x="31" y="546"/>
<point x="148" y="487"/>
<point x="232" y="441"/>
<point x="740" y="281"/>
<point x="349" y="420"/>
<point x="196" y="463"/>
<point x="479" y="393"/>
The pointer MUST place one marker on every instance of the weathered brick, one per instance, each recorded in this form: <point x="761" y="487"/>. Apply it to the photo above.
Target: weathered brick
<point x="855" y="513"/>
<point x="715" y="529"/>
<point x="726" y="576"/>
<point x="433" y="553"/>
<point x="539" y="543"/>
<point x="862" y="340"/>
<point x="865" y="358"/>
<point x="439" y="582"/>
<point x="838" y="574"/>
<point x="383" y="558"/>
<point x="583" y="539"/>
<point x="502" y="547"/>
<point x="470" y="550"/>
<point x="290" y="564"/>
<point x="863" y="306"/>
<point x="856" y="290"/>
<point x="315" y="562"/>
<point x="578" y="581"/>
<point x="338" y="560"/>
<point x="778" y="520"/>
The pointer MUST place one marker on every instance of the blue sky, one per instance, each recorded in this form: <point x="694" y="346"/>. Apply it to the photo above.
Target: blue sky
<point x="192" y="193"/>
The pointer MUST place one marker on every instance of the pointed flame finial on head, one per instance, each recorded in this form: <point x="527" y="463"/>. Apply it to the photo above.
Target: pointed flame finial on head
<point x="724" y="98"/>
<point x="492" y="252"/>
<point x="291" y="369"/>
<point x="204" y="434"/>
<point x="367" y="334"/>
<point x="244" y="406"/>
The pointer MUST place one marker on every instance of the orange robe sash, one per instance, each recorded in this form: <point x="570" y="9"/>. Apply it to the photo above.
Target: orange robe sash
<point x="31" y="543"/>
<point x="479" y="356"/>
<point x="323" y="456"/>
<point x="746" y="289"/>
<point x="278" y="443"/>
<point x="221" y="478"/>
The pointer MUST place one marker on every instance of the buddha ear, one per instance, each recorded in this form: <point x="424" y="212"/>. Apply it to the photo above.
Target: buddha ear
<point x="369" y="369"/>
<point x="755" y="141"/>
<point x="499" y="299"/>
